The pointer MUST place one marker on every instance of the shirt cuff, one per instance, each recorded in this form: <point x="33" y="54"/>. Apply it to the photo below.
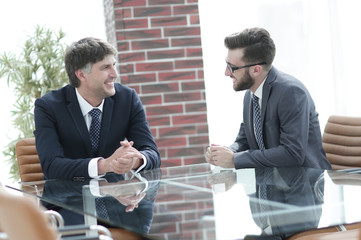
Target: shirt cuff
<point x="93" y="168"/>
<point x="143" y="165"/>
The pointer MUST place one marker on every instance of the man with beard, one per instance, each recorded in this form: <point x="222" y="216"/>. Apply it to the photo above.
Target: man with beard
<point x="81" y="129"/>
<point x="280" y="125"/>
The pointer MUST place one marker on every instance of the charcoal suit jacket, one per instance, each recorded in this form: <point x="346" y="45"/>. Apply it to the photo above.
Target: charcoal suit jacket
<point x="290" y="126"/>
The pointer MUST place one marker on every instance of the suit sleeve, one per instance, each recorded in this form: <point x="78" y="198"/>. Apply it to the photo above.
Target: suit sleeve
<point x="49" y="146"/>
<point x="293" y="109"/>
<point x="140" y="133"/>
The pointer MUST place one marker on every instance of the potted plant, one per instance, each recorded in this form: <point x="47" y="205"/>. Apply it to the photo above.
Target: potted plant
<point x="38" y="69"/>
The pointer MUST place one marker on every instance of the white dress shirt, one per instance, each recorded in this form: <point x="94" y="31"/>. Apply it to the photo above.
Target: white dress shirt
<point x="85" y="107"/>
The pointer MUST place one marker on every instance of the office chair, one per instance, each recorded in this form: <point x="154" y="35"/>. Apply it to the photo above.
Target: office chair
<point x="21" y="218"/>
<point x="30" y="171"/>
<point x="28" y="160"/>
<point x="342" y="142"/>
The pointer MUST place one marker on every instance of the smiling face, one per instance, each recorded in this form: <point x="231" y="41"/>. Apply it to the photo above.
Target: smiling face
<point x="242" y="80"/>
<point x="98" y="83"/>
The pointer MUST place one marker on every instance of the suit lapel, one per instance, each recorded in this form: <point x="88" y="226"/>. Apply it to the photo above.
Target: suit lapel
<point x="78" y="119"/>
<point x="266" y="92"/>
<point x="249" y="118"/>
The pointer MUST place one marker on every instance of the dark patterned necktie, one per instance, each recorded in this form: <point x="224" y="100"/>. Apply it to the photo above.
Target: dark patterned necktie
<point x="94" y="130"/>
<point x="257" y="122"/>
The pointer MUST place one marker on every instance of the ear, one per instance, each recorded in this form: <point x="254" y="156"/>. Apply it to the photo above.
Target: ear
<point x="256" y="70"/>
<point x="80" y="75"/>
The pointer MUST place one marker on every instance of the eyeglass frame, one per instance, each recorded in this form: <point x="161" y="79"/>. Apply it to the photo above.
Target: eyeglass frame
<point x="232" y="69"/>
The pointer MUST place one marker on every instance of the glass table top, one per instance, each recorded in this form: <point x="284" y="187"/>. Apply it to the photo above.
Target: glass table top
<point x="202" y="202"/>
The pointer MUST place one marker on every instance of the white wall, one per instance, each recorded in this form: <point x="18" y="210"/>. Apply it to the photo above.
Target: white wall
<point x="316" y="41"/>
<point x="18" y="19"/>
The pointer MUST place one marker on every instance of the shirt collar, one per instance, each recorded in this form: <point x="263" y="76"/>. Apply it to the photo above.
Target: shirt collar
<point x="259" y="90"/>
<point x="85" y="107"/>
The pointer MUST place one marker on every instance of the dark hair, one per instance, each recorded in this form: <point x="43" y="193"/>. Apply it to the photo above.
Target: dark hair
<point x="86" y="51"/>
<point x="257" y="43"/>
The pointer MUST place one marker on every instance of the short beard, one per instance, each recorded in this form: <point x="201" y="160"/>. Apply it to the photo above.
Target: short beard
<point x="244" y="83"/>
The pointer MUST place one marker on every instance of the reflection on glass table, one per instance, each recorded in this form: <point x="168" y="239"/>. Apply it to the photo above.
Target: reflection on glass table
<point x="201" y="202"/>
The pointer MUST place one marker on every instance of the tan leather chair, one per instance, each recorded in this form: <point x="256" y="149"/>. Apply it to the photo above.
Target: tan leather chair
<point x="28" y="160"/>
<point x="30" y="171"/>
<point x="342" y="142"/>
<point x="352" y="232"/>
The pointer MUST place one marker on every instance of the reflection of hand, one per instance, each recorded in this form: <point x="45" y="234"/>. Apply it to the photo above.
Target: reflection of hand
<point x="131" y="201"/>
<point x="220" y="156"/>
<point x="226" y="177"/>
<point x="127" y="193"/>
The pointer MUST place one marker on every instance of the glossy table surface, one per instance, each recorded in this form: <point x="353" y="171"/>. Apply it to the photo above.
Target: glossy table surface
<point x="202" y="202"/>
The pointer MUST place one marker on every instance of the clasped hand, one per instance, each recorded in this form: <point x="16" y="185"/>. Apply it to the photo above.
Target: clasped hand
<point x="220" y="156"/>
<point x="125" y="158"/>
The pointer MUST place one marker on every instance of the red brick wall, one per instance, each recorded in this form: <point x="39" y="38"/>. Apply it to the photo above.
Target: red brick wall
<point x="160" y="56"/>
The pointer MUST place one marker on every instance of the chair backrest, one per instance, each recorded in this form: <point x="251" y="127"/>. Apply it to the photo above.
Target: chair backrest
<point x="28" y="160"/>
<point x="342" y="142"/>
<point x="21" y="218"/>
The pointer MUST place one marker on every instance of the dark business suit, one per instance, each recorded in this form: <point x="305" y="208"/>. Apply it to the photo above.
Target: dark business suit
<point x="290" y="126"/>
<point x="62" y="138"/>
<point x="286" y="187"/>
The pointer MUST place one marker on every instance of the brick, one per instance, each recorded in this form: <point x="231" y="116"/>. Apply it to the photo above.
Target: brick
<point x="192" y="1"/>
<point x="190" y="119"/>
<point x="182" y="206"/>
<point x="160" y="88"/>
<point x="139" y="34"/>
<point x="200" y="74"/>
<point x="122" y="46"/>
<point x="122" y="13"/>
<point x="196" y="107"/>
<point x="195" y="85"/>
<point x="202" y="129"/>
<point x="195" y="160"/>
<point x="131" y="23"/>
<point x="129" y="3"/>
<point x="152" y="11"/>
<point x="185" y="151"/>
<point x="165" y="2"/>
<point x="153" y="131"/>
<point x="138" y="78"/>
<point x="194" y="20"/>
<point x="131" y="57"/>
<point x="164" y="110"/>
<point x="171" y="142"/>
<point x="190" y="63"/>
<point x="182" y="97"/>
<point x="150" y="100"/>
<point x="159" y="121"/>
<point x="150" y="44"/>
<point x="178" y="53"/>
<point x="194" y="52"/>
<point x="185" y="9"/>
<point x="172" y="76"/>
<point x="171" y="163"/>
<point x="182" y="31"/>
<point x="126" y="68"/>
<point x="168" y="21"/>
<point x="198" y="140"/>
<point x="186" y="42"/>
<point x="175" y="131"/>
<point x="158" y="66"/>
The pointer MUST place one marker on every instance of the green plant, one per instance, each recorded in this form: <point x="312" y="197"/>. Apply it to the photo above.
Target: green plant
<point x="38" y="69"/>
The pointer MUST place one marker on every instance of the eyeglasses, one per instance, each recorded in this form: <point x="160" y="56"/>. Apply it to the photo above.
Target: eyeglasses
<point x="232" y="69"/>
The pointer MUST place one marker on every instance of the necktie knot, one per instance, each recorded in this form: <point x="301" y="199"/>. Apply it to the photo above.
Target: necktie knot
<point x="95" y="113"/>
